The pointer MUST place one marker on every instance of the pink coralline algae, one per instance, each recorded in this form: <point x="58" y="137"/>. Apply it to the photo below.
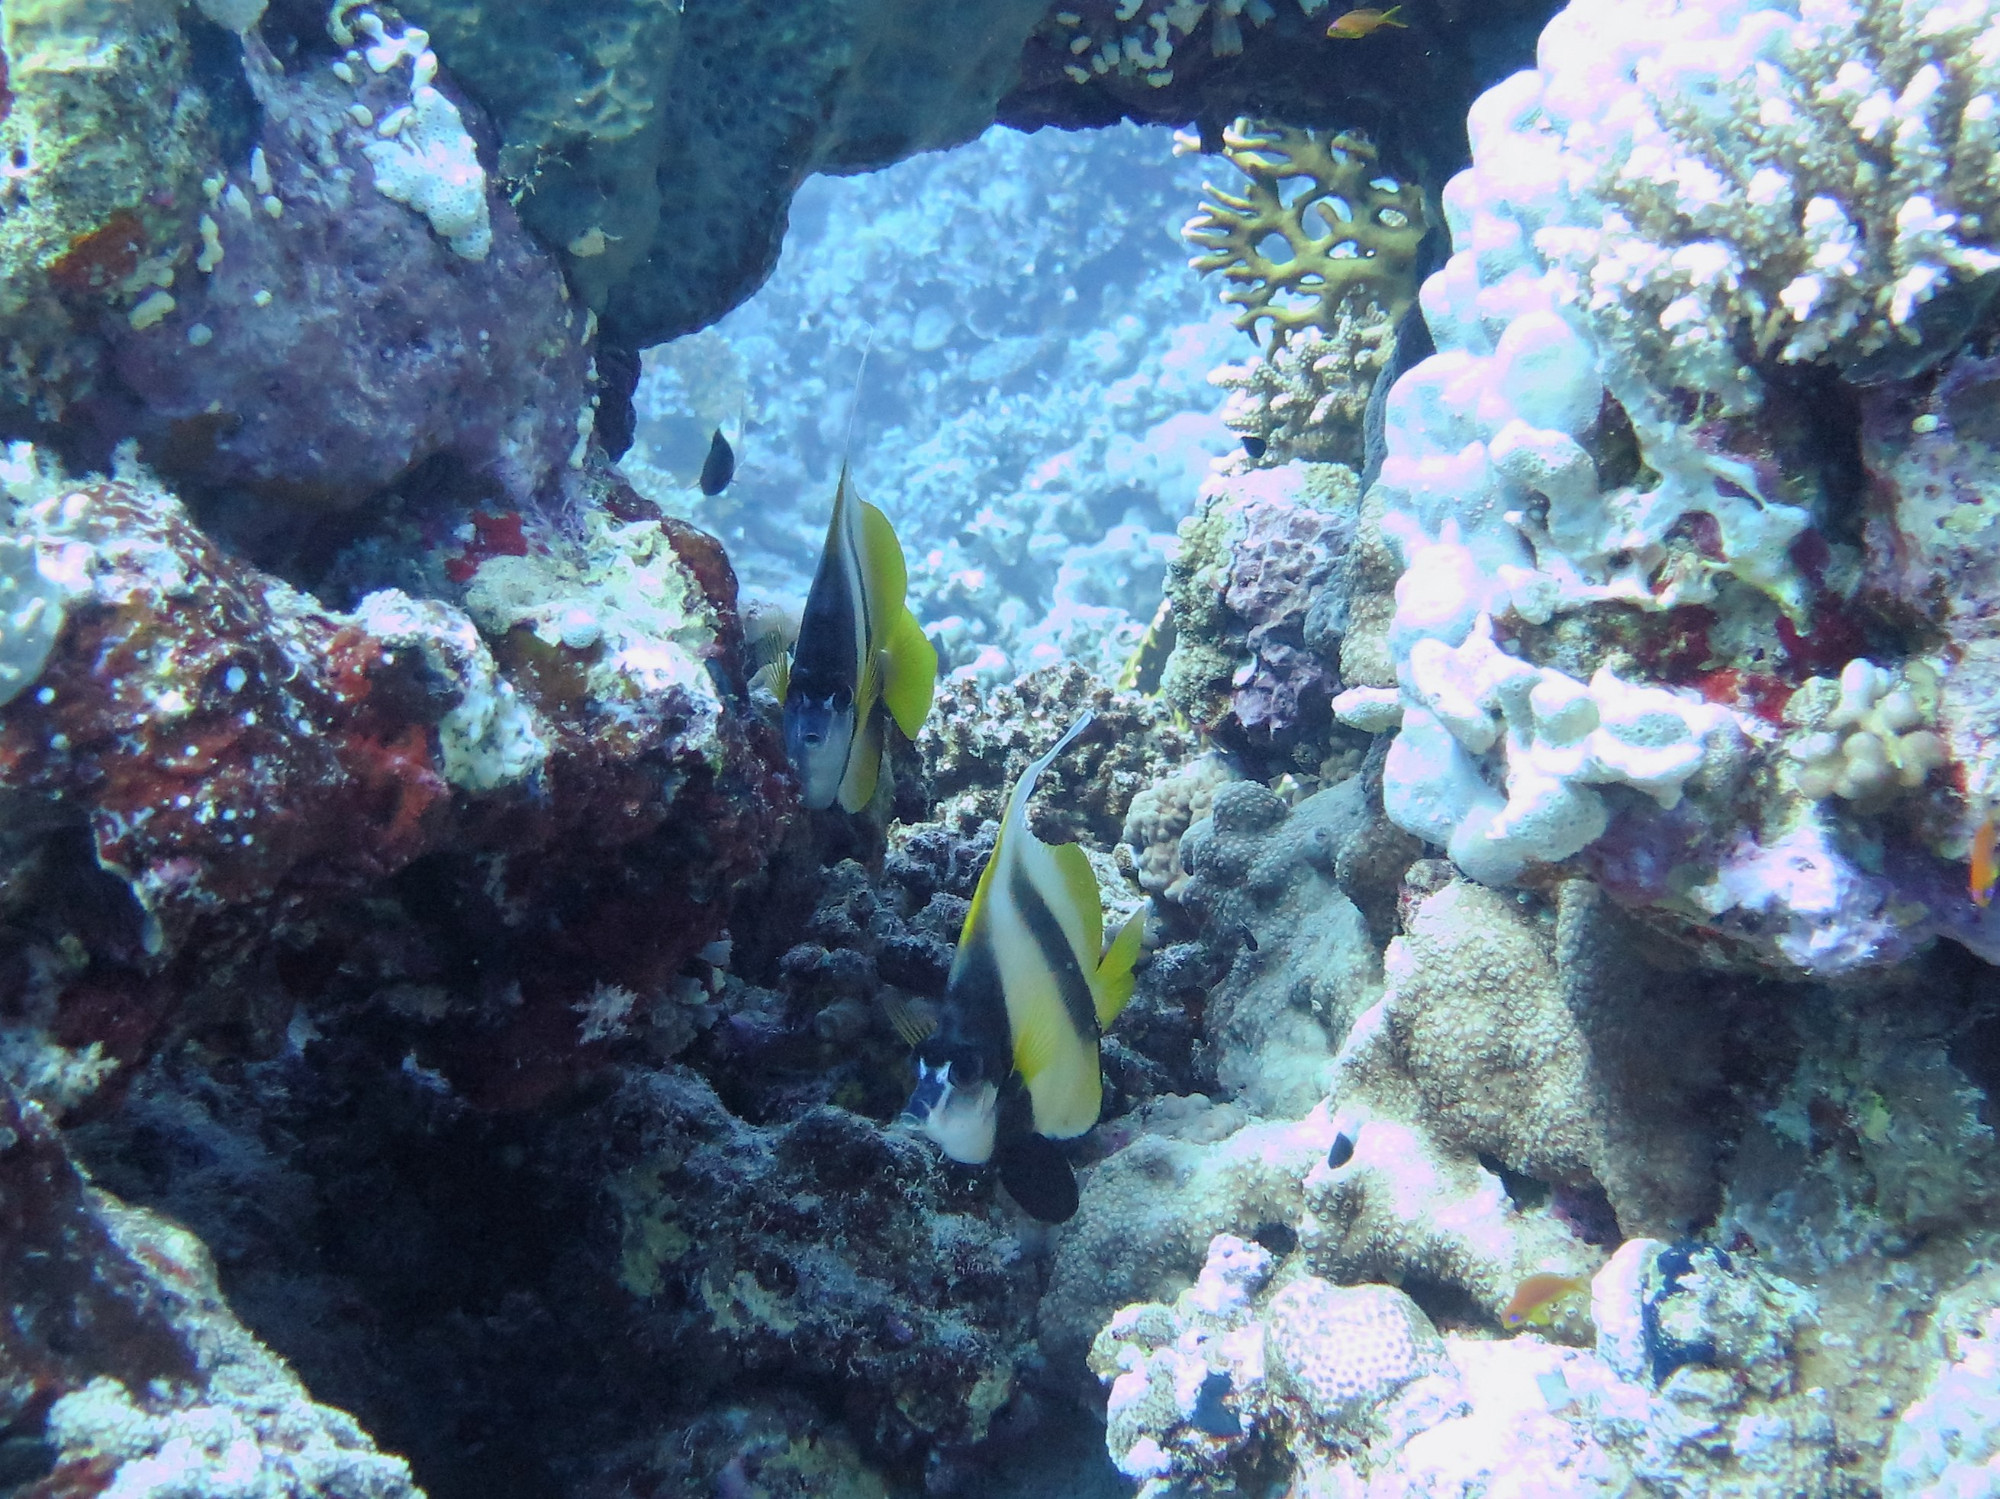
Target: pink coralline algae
<point x="256" y="771"/>
<point x="1281" y="564"/>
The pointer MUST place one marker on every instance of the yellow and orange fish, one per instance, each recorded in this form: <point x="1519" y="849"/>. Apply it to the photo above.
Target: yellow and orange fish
<point x="1985" y="868"/>
<point x="1536" y="1299"/>
<point x="1356" y="24"/>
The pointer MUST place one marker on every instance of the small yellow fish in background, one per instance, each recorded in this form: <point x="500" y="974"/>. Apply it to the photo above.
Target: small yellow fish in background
<point x="861" y="657"/>
<point x="1985" y="864"/>
<point x="1356" y="24"/>
<point x="1013" y="1066"/>
<point x="1536" y="1299"/>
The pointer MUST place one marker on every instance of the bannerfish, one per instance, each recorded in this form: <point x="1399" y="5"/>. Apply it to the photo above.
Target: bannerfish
<point x="1535" y="1299"/>
<point x="1985" y="864"/>
<point x="1356" y="24"/>
<point x="1013" y="1065"/>
<point x="719" y="467"/>
<point x="860" y="656"/>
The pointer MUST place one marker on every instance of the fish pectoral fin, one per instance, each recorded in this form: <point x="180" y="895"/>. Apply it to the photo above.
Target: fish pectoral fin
<point x="883" y="569"/>
<point x="864" y="764"/>
<point x="909" y="674"/>
<point x="1115" y="978"/>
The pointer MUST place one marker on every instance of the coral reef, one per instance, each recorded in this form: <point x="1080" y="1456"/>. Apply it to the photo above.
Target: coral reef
<point x="1254" y="558"/>
<point x="224" y="762"/>
<point x="1357" y="1388"/>
<point x="1321" y="230"/>
<point x="358" y="308"/>
<point x="1630" y="537"/>
<point x="122" y="1368"/>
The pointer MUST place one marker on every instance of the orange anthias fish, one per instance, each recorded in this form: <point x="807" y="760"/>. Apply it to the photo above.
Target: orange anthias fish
<point x="1366" y="22"/>
<point x="1536" y="1298"/>
<point x="1984" y="866"/>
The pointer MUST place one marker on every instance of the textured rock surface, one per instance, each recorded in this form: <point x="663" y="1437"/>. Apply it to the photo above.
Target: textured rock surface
<point x="122" y="1367"/>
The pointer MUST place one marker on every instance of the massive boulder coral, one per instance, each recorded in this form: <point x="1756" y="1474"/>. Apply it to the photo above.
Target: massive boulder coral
<point x="1501" y="1042"/>
<point x="1266" y="880"/>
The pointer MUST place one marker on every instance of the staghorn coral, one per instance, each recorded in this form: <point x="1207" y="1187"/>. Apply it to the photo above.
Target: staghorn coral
<point x="1349" y="229"/>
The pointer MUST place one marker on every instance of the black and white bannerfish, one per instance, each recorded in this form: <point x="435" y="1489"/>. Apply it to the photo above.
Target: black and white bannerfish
<point x="719" y="467"/>
<point x="861" y="656"/>
<point x="1012" y="1066"/>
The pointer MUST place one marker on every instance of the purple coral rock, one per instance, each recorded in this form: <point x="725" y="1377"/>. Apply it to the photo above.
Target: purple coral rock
<point x="1283" y="560"/>
<point x="340" y="340"/>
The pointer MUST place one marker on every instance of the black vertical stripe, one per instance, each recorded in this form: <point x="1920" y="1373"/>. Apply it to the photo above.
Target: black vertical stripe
<point x="1053" y="944"/>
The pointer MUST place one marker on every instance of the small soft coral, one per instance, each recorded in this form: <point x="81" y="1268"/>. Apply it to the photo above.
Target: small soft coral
<point x="1344" y="229"/>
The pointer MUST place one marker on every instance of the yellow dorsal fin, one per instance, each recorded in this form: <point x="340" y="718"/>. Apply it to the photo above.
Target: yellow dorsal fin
<point x="864" y="763"/>
<point x="909" y="674"/>
<point x="1114" y="975"/>
<point x="1080" y="893"/>
<point x="882" y="565"/>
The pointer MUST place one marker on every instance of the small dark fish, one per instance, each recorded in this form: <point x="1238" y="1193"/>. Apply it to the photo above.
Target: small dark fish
<point x="1249" y="937"/>
<point x="1339" y="1153"/>
<point x="719" y="467"/>
<point x="1255" y="446"/>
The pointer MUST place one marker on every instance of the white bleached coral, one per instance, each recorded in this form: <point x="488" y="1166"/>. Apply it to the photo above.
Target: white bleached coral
<point x="1799" y="180"/>
<point x="1867" y="735"/>
<point x="424" y="156"/>
<point x="31" y="613"/>
<point x="1474" y="714"/>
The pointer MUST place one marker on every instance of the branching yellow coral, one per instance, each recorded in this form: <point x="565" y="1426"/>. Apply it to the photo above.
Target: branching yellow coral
<point x="1320" y="222"/>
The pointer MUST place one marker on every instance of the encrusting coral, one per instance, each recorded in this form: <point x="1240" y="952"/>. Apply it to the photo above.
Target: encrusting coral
<point x="1349" y="230"/>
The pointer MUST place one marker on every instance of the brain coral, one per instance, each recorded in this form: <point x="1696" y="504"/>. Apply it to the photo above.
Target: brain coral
<point x="1344" y="1348"/>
